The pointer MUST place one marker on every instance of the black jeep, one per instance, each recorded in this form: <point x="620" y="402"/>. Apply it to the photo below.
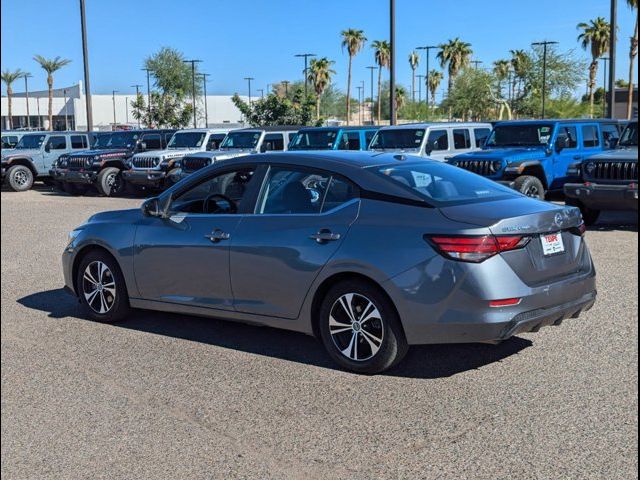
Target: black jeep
<point x="610" y="179"/>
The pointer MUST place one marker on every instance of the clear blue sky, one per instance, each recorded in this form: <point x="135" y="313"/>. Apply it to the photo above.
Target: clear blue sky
<point x="258" y="38"/>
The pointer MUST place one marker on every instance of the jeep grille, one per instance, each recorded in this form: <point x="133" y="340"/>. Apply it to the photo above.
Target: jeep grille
<point x="146" y="162"/>
<point x="482" y="167"/>
<point x="614" y="171"/>
<point x="78" y="162"/>
<point x="191" y="164"/>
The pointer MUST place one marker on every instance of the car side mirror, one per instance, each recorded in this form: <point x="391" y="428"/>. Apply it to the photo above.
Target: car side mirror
<point x="429" y="148"/>
<point x="153" y="207"/>
<point x="265" y="147"/>
<point x="143" y="145"/>
<point x="561" y="143"/>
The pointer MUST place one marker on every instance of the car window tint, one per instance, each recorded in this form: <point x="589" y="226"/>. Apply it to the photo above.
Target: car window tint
<point x="570" y="133"/>
<point x="152" y="141"/>
<point x="340" y="191"/>
<point x="349" y="141"/>
<point x="438" y="140"/>
<point x="274" y="141"/>
<point x="461" y="139"/>
<point x="368" y="136"/>
<point x="230" y="185"/>
<point x="79" y="142"/>
<point x="590" y="136"/>
<point x="57" y="143"/>
<point x="215" y="139"/>
<point x="610" y="134"/>
<point x="481" y="135"/>
<point x="291" y="191"/>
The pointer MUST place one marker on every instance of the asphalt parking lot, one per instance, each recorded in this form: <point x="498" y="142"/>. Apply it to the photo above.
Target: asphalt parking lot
<point x="169" y="396"/>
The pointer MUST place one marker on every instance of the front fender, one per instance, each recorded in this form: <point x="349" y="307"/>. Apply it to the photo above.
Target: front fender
<point x="517" y="168"/>
<point x="22" y="160"/>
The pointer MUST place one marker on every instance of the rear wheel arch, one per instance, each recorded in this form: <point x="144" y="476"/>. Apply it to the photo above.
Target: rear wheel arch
<point x="323" y="289"/>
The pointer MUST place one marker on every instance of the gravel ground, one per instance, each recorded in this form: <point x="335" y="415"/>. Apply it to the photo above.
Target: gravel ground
<point x="169" y="396"/>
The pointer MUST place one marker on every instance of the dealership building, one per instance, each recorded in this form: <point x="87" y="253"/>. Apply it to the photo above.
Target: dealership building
<point x="69" y="110"/>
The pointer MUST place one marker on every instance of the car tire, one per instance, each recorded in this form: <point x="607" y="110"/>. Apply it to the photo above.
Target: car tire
<point x="110" y="181"/>
<point x="360" y="328"/>
<point x="20" y="178"/>
<point x="101" y="288"/>
<point x="530" y="186"/>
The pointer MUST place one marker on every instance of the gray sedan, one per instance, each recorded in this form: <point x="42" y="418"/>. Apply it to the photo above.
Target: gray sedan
<point x="368" y="252"/>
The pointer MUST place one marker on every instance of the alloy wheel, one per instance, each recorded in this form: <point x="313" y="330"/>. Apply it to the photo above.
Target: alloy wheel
<point x="356" y="327"/>
<point x="21" y="178"/>
<point x="99" y="287"/>
<point x="532" y="191"/>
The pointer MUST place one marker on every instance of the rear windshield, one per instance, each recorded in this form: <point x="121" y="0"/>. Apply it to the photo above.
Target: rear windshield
<point x="314" y="140"/>
<point x="443" y="185"/>
<point x="398" y="139"/>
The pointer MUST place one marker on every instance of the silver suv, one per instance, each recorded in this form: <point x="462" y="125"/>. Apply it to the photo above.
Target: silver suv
<point x="34" y="155"/>
<point x="439" y="141"/>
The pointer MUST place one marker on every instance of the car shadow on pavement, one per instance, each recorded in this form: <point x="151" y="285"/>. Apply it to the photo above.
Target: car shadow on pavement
<point x="424" y="361"/>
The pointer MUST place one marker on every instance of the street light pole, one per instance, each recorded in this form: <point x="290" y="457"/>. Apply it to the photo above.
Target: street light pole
<point x="286" y="87"/>
<point x="306" y="60"/>
<point x="66" y="120"/>
<point x="137" y="87"/>
<point x="193" y="88"/>
<point x="204" y="91"/>
<point x="261" y="90"/>
<point x="604" y="84"/>
<point x="85" y="56"/>
<point x="360" y="87"/>
<point x="544" y="44"/>
<point x="248" y="79"/>
<point x="148" y="93"/>
<point x="26" y="77"/>
<point x="392" y="62"/>
<point x="420" y="77"/>
<point x="113" y="99"/>
<point x="427" y="49"/>
<point x="613" y="31"/>
<point x="476" y="63"/>
<point x="372" y="69"/>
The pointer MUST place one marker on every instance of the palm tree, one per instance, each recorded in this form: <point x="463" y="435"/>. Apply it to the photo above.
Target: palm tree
<point x="51" y="65"/>
<point x="435" y="77"/>
<point x="401" y="100"/>
<point x="521" y="63"/>
<point x="633" y="52"/>
<point x="353" y="40"/>
<point x="501" y="69"/>
<point x="382" y="55"/>
<point x="456" y="55"/>
<point x="414" y="61"/>
<point x="8" y="77"/>
<point x="319" y="75"/>
<point x="594" y="37"/>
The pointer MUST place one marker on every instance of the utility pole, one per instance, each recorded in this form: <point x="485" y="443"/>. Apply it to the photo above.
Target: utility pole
<point x="193" y="88"/>
<point x="613" y="31"/>
<point x="392" y="62"/>
<point x="66" y="119"/>
<point x="476" y="63"/>
<point x="372" y="69"/>
<point x="113" y="99"/>
<point x="126" y="110"/>
<point x="85" y="57"/>
<point x="420" y="77"/>
<point x="248" y="79"/>
<point x="204" y="91"/>
<point x="286" y="87"/>
<point x="360" y="87"/>
<point x="26" y="77"/>
<point x="137" y="87"/>
<point x="544" y="45"/>
<point x="427" y="49"/>
<point x="148" y="92"/>
<point x="306" y="60"/>
<point x="39" y="118"/>
<point x="261" y="90"/>
<point x="604" y="85"/>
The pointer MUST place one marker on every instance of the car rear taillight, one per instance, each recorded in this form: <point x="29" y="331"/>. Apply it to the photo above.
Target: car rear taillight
<point x="475" y="248"/>
<point x="507" y="302"/>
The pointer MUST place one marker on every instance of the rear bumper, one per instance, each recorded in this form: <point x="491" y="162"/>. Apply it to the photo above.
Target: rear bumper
<point x="77" y="176"/>
<point x="604" y="197"/>
<point x="148" y="178"/>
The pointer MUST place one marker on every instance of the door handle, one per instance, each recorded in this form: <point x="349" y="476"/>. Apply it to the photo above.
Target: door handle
<point x="217" y="235"/>
<point x="324" y="236"/>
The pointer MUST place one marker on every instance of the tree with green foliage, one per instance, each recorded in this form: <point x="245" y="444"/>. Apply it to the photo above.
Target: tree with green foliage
<point x="278" y="110"/>
<point x="382" y="54"/>
<point x="501" y="69"/>
<point x="414" y="62"/>
<point x="8" y="77"/>
<point x="455" y="55"/>
<point x="521" y="63"/>
<point x="319" y="75"/>
<point x="51" y="65"/>
<point x="353" y="40"/>
<point x="435" y="78"/>
<point x="595" y="37"/>
<point x="471" y="96"/>
<point x="633" y="53"/>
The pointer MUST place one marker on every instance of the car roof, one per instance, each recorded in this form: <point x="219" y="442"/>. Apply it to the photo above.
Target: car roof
<point x="271" y="128"/>
<point x="204" y="130"/>
<point x="436" y="124"/>
<point x="349" y="128"/>
<point x="558" y="120"/>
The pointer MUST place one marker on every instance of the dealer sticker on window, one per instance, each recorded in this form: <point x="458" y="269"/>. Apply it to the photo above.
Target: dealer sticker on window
<point x="552" y="244"/>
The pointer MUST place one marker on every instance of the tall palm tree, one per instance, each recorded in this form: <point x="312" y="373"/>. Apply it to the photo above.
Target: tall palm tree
<point x="501" y="69"/>
<point x="521" y="63"/>
<point x="8" y="77"/>
<point x="382" y="54"/>
<point x="51" y="65"/>
<point x="435" y="77"/>
<point x="353" y="40"/>
<point x="633" y="52"/>
<point x="455" y="54"/>
<point x="401" y="100"/>
<point x="414" y="61"/>
<point x="595" y="38"/>
<point x="319" y="75"/>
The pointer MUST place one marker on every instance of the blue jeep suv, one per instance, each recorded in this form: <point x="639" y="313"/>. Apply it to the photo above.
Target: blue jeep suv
<point x="534" y="156"/>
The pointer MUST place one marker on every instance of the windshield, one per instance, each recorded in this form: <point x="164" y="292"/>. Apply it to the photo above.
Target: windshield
<point x="630" y="136"/>
<point x="31" y="141"/>
<point x="444" y="185"/>
<point x="241" y="140"/>
<point x="186" y="140"/>
<point x="314" y="140"/>
<point x="398" y="139"/>
<point x="102" y="140"/>
<point x="522" y="135"/>
<point x="122" y="140"/>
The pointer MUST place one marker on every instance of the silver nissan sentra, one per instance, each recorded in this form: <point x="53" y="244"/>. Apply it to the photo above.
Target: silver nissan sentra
<point x="369" y="252"/>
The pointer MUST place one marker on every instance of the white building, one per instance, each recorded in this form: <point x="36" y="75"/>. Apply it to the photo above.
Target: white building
<point x="69" y="110"/>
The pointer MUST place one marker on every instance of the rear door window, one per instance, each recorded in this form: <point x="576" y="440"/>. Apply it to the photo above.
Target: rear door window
<point x="349" y="141"/>
<point x="570" y="133"/>
<point x="57" y="142"/>
<point x="461" y="139"/>
<point x="215" y="139"/>
<point x="438" y="140"/>
<point x="274" y="141"/>
<point x="590" y="137"/>
<point x="79" y="142"/>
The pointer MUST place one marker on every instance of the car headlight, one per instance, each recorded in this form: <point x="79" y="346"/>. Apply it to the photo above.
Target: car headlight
<point x="72" y="235"/>
<point x="590" y="167"/>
